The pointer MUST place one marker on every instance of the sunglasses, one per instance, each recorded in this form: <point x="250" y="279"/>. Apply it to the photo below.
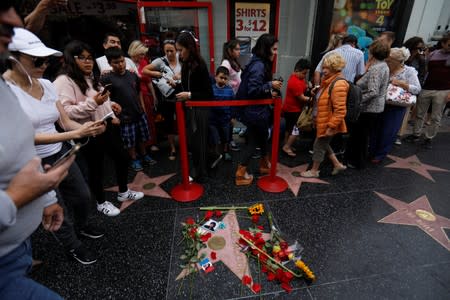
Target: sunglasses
<point x="39" y="61"/>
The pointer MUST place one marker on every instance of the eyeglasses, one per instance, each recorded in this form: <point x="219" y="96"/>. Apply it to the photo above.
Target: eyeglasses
<point x="84" y="58"/>
<point x="39" y="61"/>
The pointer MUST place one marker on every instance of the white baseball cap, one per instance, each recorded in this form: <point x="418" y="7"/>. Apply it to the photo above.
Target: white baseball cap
<point x="27" y="42"/>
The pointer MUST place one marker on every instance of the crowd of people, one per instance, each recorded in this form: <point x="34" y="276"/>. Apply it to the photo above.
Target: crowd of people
<point x="120" y="110"/>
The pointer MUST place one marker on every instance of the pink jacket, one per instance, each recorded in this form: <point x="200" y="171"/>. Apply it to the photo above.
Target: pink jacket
<point x="80" y="107"/>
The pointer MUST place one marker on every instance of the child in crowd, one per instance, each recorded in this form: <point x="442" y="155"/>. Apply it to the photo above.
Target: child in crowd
<point x="133" y="121"/>
<point x="220" y="117"/>
<point x="294" y="102"/>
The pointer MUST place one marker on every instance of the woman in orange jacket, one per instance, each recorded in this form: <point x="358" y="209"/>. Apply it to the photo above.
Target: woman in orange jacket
<point x="329" y="113"/>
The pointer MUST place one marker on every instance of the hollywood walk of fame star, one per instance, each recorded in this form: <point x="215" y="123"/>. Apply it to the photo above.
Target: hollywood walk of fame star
<point x="413" y="163"/>
<point x="225" y="243"/>
<point x="418" y="213"/>
<point x="143" y="183"/>
<point x="293" y="178"/>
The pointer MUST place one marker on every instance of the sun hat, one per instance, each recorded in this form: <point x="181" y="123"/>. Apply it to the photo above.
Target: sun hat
<point x="27" y="42"/>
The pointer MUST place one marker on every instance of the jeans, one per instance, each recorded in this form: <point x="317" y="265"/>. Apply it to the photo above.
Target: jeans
<point x="14" y="284"/>
<point x="257" y="134"/>
<point x="72" y="193"/>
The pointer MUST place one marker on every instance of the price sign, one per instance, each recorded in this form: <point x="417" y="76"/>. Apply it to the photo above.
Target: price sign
<point x="251" y="19"/>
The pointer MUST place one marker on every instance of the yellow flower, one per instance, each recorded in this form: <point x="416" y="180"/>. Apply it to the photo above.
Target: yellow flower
<point x="308" y="273"/>
<point x="257" y="209"/>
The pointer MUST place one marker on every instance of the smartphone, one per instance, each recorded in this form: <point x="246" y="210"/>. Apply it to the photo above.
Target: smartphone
<point x="108" y="116"/>
<point x="106" y="88"/>
<point x="72" y="151"/>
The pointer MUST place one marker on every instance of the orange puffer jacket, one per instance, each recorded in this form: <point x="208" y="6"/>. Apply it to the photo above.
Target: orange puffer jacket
<point x="331" y="111"/>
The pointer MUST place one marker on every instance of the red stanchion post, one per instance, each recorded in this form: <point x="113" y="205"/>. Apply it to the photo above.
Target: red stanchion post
<point x="186" y="191"/>
<point x="272" y="183"/>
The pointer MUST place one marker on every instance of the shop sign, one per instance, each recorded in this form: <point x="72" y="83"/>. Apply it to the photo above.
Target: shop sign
<point x="251" y="19"/>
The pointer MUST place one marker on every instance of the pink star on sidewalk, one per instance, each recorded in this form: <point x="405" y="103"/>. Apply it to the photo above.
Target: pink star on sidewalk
<point x="293" y="178"/>
<point x="229" y="252"/>
<point x="418" y="213"/>
<point x="413" y="163"/>
<point x="143" y="183"/>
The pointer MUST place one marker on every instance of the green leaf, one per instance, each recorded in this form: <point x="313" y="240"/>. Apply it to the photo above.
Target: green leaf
<point x="194" y="259"/>
<point x="202" y="256"/>
<point x="183" y="257"/>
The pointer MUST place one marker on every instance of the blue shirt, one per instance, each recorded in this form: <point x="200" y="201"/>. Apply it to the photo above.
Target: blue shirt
<point x="221" y="115"/>
<point x="354" y="61"/>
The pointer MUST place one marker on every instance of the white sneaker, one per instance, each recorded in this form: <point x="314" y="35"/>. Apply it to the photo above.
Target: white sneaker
<point x="130" y="195"/>
<point x="108" y="209"/>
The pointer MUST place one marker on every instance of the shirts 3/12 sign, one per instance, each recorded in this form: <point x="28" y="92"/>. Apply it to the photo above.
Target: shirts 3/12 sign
<point x="252" y="19"/>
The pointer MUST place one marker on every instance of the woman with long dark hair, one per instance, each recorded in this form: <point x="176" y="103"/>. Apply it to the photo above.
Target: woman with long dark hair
<point x="257" y="83"/>
<point x="79" y="92"/>
<point x="196" y="85"/>
<point x="231" y="52"/>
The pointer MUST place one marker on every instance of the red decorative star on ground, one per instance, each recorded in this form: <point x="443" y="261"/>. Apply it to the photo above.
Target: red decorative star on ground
<point x="293" y="178"/>
<point x="413" y="163"/>
<point x="229" y="251"/>
<point x="143" y="183"/>
<point x="418" y="213"/>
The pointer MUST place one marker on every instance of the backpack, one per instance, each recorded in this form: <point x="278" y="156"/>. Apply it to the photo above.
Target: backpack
<point x="353" y="103"/>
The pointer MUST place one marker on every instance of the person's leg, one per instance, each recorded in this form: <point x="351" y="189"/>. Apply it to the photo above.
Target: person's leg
<point x="392" y="121"/>
<point x="14" y="283"/>
<point x="439" y="100"/>
<point x="423" y="102"/>
<point x="320" y="148"/>
<point x="114" y="147"/>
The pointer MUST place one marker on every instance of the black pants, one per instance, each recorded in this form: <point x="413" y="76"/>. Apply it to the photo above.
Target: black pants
<point x="197" y="134"/>
<point x="257" y="134"/>
<point x="356" y="152"/>
<point x="74" y="197"/>
<point x="93" y="155"/>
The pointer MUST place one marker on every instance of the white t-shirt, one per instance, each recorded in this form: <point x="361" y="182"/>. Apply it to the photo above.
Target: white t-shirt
<point x="104" y="66"/>
<point x="235" y="77"/>
<point x="42" y="113"/>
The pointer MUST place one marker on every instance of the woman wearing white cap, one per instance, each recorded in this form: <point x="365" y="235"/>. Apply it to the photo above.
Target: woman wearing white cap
<point x="38" y="98"/>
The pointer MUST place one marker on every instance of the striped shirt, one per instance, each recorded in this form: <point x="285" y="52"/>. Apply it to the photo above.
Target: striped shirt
<point x="354" y="59"/>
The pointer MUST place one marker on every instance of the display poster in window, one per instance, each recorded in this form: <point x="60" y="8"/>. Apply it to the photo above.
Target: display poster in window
<point x="365" y="19"/>
<point x="251" y="19"/>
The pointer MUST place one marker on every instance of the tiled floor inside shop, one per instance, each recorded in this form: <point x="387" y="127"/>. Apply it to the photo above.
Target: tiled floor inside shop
<point x="378" y="233"/>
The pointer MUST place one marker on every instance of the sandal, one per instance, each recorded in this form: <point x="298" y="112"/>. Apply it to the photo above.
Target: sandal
<point x="289" y="152"/>
<point x="310" y="174"/>
<point x="172" y="155"/>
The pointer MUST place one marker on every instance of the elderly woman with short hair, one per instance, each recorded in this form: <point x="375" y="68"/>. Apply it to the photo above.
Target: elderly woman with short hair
<point x="390" y="121"/>
<point x="329" y="114"/>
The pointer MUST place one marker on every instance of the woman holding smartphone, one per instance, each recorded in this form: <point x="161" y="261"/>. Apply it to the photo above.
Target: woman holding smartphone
<point x="82" y="99"/>
<point x="39" y="100"/>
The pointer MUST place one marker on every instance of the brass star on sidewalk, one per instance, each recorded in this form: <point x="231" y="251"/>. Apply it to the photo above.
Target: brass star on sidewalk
<point x="225" y="243"/>
<point x="143" y="183"/>
<point x="413" y="163"/>
<point x="293" y="178"/>
<point x="418" y="213"/>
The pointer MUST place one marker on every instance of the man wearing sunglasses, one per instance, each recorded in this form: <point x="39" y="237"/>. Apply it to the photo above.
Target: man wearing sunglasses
<point x="25" y="199"/>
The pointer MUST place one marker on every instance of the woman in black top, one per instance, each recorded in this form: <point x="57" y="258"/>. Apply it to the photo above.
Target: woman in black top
<point x="196" y="85"/>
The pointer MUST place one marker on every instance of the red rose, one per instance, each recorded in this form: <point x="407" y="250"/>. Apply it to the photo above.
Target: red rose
<point x="264" y="269"/>
<point x="271" y="276"/>
<point x="255" y="219"/>
<point x="213" y="255"/>
<point x="256" y="287"/>
<point x="279" y="275"/>
<point x="190" y="221"/>
<point x="260" y="227"/>
<point x="208" y="215"/>
<point x="286" y="287"/>
<point x="246" y="280"/>
<point x="287" y="277"/>
<point x="192" y="232"/>
<point x="218" y="213"/>
<point x="284" y="245"/>
<point x="204" y="238"/>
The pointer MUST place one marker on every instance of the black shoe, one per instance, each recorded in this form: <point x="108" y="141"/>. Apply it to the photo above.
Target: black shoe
<point x="92" y="232"/>
<point x="82" y="255"/>
<point x="412" y="138"/>
<point x="427" y="144"/>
